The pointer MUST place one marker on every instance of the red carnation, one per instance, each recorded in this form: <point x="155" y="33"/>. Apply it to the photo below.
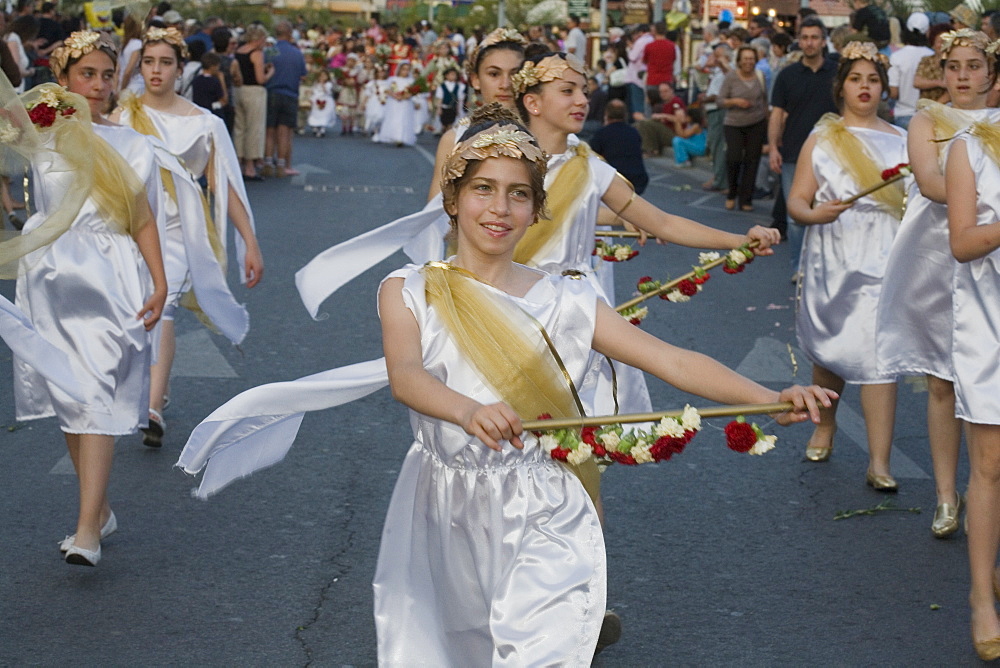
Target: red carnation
<point x="589" y="436"/>
<point x="42" y="115"/>
<point x="594" y="252"/>
<point x="68" y="111"/>
<point x="609" y="258"/>
<point x="645" y="279"/>
<point x="635" y="321"/>
<point x="699" y="280"/>
<point x="543" y="416"/>
<point x="560" y="454"/>
<point x="740" y="436"/>
<point x="633" y="254"/>
<point x="687" y="288"/>
<point x="622" y="458"/>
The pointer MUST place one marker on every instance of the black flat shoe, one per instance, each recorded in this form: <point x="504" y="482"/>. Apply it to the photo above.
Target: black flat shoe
<point x="152" y="435"/>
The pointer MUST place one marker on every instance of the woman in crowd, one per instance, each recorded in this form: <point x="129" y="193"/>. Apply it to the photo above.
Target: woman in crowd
<point x="744" y="96"/>
<point x="251" y="101"/>
<point x="845" y="251"/>
<point x="200" y="139"/>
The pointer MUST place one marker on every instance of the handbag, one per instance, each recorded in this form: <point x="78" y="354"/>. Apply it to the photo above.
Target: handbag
<point x="617" y="78"/>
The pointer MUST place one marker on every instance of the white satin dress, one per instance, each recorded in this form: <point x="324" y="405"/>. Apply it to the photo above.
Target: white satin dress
<point x="915" y="310"/>
<point x="843" y="263"/>
<point x="199" y="141"/>
<point x="399" y="122"/>
<point x="82" y="294"/>
<point x="490" y="558"/>
<point x="976" y="337"/>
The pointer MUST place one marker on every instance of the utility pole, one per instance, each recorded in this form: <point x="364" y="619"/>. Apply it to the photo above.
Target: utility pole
<point x="502" y="13"/>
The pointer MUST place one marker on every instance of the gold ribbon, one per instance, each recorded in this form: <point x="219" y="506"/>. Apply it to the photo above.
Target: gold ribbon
<point x="510" y="350"/>
<point x="989" y="136"/>
<point x="564" y="197"/>
<point x="851" y="154"/>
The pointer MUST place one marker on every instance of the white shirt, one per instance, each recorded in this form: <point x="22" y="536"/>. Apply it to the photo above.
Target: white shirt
<point x="576" y="43"/>
<point x="902" y="68"/>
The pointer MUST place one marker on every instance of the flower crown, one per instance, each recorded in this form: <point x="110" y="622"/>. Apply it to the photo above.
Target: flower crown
<point x="498" y="36"/>
<point x="861" y="50"/>
<point x="547" y="69"/>
<point x="966" y="37"/>
<point x="76" y="46"/>
<point x="171" y="36"/>
<point x="503" y="140"/>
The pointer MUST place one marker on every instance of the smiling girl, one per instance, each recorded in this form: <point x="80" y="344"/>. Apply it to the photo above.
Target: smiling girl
<point x="845" y="251"/>
<point x="915" y="321"/>
<point x="200" y="139"/>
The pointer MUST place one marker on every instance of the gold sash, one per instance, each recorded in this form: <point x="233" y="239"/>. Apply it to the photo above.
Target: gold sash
<point x="564" y="197"/>
<point x="509" y="349"/>
<point x="854" y="158"/>
<point x="989" y="136"/>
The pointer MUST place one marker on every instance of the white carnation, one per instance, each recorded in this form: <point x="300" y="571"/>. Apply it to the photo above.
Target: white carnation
<point x="705" y="258"/>
<point x="690" y="418"/>
<point x="609" y="440"/>
<point x="8" y="134"/>
<point x="668" y="427"/>
<point x="763" y="444"/>
<point x="582" y="453"/>
<point x="736" y="256"/>
<point x="623" y="253"/>
<point x="548" y="442"/>
<point x="640" y="451"/>
<point x="677" y="296"/>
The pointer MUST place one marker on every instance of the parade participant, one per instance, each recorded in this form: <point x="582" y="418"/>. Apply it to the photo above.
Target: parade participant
<point x="87" y="258"/>
<point x="491" y="551"/>
<point x="915" y="324"/>
<point x="347" y="97"/>
<point x="845" y="251"/>
<point x="374" y="97"/>
<point x="420" y="235"/>
<point x="398" y="122"/>
<point x="322" y="113"/>
<point x="200" y="139"/>
<point x="972" y="180"/>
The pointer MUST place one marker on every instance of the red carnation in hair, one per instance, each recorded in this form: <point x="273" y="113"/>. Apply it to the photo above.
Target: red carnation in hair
<point x="740" y="436"/>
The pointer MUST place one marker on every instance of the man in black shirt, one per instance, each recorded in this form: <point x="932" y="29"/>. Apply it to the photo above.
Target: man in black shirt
<point x="802" y="93"/>
<point x="871" y="20"/>
<point x="619" y="143"/>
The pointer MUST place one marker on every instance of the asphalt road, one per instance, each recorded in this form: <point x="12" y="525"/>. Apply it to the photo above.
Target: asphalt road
<point x="714" y="558"/>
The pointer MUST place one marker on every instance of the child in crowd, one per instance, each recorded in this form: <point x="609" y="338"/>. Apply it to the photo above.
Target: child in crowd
<point x="450" y="96"/>
<point x="208" y="88"/>
<point x="321" y="114"/>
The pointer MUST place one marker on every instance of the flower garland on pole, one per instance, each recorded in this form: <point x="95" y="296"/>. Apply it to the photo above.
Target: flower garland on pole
<point x="889" y="176"/>
<point x="683" y="288"/>
<point x="575" y="440"/>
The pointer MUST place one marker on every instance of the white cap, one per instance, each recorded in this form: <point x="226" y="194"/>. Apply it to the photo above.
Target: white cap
<point x="918" y="21"/>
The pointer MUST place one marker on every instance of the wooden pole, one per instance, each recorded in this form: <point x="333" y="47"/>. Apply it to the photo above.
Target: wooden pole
<point x="630" y="418"/>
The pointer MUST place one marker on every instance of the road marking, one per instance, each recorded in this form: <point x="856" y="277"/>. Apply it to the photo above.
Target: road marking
<point x="305" y="169"/>
<point x="701" y="200"/>
<point x="769" y="361"/>
<point x="198" y="357"/>
<point x="368" y="190"/>
<point x="424" y="152"/>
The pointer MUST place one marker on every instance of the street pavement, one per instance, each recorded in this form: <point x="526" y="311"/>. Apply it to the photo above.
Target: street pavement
<point x="714" y="558"/>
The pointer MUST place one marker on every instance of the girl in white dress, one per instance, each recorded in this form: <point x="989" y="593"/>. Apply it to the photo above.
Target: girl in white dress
<point x="374" y="96"/>
<point x="845" y="251"/>
<point x="89" y="292"/>
<point x="200" y="139"/>
<point x="914" y="314"/>
<point x="492" y="553"/>
<point x="323" y="111"/>
<point x="398" y="124"/>
<point x="972" y="180"/>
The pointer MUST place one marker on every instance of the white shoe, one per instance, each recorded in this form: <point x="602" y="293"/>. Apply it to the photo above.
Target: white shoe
<point x="109" y="528"/>
<point x="81" y="557"/>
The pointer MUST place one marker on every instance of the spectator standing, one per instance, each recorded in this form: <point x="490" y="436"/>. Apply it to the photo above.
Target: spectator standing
<point x="903" y="68"/>
<point x="718" y="60"/>
<point x="929" y="77"/>
<point x="621" y="146"/>
<point x="283" y="102"/>
<point x="803" y="92"/>
<point x="208" y="90"/>
<point x="616" y="69"/>
<point x="22" y="30"/>
<point x="744" y="96"/>
<point x="576" y="41"/>
<point x="659" y="57"/>
<point x="869" y="19"/>
<point x="224" y="45"/>
<point x="636" y="73"/>
<point x="251" y="101"/>
<point x="427" y="37"/>
<point x="205" y="34"/>
<point x="50" y="36"/>
<point x="130" y="78"/>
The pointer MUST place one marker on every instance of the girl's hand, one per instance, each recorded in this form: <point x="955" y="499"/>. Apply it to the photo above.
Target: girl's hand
<point x="643" y="236"/>
<point x="765" y="237"/>
<point x="827" y="212"/>
<point x="807" y="402"/>
<point x="254" y="266"/>
<point x="152" y="309"/>
<point x="493" y="423"/>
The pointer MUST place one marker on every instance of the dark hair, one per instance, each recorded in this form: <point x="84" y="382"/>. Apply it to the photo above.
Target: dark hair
<point x="519" y="99"/>
<point x="48" y="7"/>
<point x="481" y="54"/>
<point x="26" y="27"/>
<point x="616" y="110"/>
<point x="210" y="60"/>
<point x="536" y="49"/>
<point x="747" y="47"/>
<point x="844" y="69"/>
<point x="914" y="37"/>
<point x="812" y="21"/>
<point x="782" y="39"/>
<point x="221" y="37"/>
<point x="196" y="49"/>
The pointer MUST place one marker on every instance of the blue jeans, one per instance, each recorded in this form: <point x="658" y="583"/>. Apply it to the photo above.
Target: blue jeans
<point x="796" y="232"/>
<point x="685" y="149"/>
<point x="636" y="99"/>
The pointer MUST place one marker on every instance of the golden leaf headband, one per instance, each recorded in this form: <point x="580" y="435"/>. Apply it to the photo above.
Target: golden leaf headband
<point x="171" y="36"/>
<point x="76" y="46"/>
<point x="494" y="142"/>
<point x="547" y="69"/>
<point x="498" y="36"/>
<point x="861" y="50"/>
<point x="966" y="37"/>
